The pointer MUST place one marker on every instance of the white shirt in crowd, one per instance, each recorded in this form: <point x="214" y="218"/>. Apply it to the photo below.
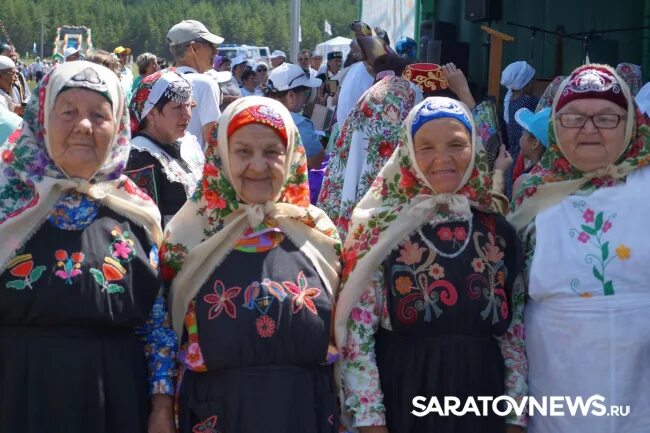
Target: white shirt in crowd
<point x="207" y="95"/>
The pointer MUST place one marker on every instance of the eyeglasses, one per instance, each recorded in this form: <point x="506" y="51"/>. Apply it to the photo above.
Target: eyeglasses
<point x="261" y="69"/>
<point x="302" y="59"/>
<point x="304" y="74"/>
<point x="600" y="121"/>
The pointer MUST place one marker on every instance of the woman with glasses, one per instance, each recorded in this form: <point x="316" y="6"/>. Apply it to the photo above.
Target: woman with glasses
<point x="262" y="72"/>
<point x="582" y="225"/>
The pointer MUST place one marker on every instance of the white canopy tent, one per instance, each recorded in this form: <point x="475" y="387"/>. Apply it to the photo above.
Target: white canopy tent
<point x="339" y="43"/>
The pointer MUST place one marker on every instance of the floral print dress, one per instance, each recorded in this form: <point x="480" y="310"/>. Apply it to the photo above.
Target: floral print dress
<point x="440" y="318"/>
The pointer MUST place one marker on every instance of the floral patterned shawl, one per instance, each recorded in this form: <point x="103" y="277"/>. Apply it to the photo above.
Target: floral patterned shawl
<point x="31" y="183"/>
<point x="554" y="177"/>
<point x="368" y="138"/>
<point x="209" y="225"/>
<point x="401" y="200"/>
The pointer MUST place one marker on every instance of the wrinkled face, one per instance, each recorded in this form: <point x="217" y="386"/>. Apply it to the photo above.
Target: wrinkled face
<point x="257" y="157"/>
<point x="443" y="151"/>
<point x="11" y="53"/>
<point x="590" y="147"/>
<point x="80" y="130"/>
<point x="171" y="122"/>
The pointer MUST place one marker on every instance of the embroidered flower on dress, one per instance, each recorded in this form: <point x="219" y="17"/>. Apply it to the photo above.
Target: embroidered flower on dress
<point x="221" y="300"/>
<point x="583" y="237"/>
<point x="437" y="271"/>
<point x="403" y="285"/>
<point x="265" y="326"/>
<point x="411" y="253"/>
<point x="623" y="252"/>
<point x="478" y="265"/>
<point x="445" y="234"/>
<point x="588" y="216"/>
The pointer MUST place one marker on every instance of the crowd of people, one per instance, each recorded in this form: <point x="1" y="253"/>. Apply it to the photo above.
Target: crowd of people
<point x="184" y="251"/>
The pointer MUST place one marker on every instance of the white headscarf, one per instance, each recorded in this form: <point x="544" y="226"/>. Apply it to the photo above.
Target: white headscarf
<point x="515" y="77"/>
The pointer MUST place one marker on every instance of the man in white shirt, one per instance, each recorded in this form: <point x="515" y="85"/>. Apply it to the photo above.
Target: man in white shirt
<point x="20" y="89"/>
<point x="193" y="48"/>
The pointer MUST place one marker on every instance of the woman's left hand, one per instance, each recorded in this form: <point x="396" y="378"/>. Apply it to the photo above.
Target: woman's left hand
<point x="161" y="419"/>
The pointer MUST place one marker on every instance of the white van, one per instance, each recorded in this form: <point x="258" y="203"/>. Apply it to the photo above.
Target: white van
<point x="250" y="52"/>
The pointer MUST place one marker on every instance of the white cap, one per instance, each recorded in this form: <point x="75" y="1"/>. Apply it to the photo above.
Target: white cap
<point x="277" y="53"/>
<point x="219" y="76"/>
<point x="190" y="30"/>
<point x="237" y="61"/>
<point x="6" y="63"/>
<point x="70" y="51"/>
<point x="289" y="76"/>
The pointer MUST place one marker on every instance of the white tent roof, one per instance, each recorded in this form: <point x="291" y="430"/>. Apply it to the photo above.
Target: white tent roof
<point x="338" y="43"/>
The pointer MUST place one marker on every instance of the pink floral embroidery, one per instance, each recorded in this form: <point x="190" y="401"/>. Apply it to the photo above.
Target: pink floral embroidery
<point x="478" y="265"/>
<point x="492" y="251"/>
<point x="207" y="426"/>
<point x="437" y="271"/>
<point x="121" y="250"/>
<point x="445" y="234"/>
<point x="592" y="234"/>
<point x="194" y="357"/>
<point x="410" y="253"/>
<point x="221" y="300"/>
<point x="303" y="294"/>
<point x="460" y="234"/>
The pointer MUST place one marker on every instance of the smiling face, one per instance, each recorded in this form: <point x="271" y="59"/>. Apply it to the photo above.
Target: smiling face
<point x="257" y="162"/>
<point x="80" y="130"/>
<point x="589" y="148"/>
<point x="170" y="123"/>
<point x="443" y="151"/>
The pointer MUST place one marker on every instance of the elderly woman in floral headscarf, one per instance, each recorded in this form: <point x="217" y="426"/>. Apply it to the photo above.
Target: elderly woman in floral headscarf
<point x="82" y="313"/>
<point x="166" y="161"/>
<point x="581" y="220"/>
<point x="253" y="269"/>
<point x="426" y="307"/>
<point x="368" y="138"/>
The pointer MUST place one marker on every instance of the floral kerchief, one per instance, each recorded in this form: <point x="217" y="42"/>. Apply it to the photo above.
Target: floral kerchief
<point x="31" y="183"/>
<point x="554" y="177"/>
<point x="209" y="225"/>
<point x="400" y="200"/>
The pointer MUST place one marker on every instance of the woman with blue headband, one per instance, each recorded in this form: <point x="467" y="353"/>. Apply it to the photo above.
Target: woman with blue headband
<point x="427" y="306"/>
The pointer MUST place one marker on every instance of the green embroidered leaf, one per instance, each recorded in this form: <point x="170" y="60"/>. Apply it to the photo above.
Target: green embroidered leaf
<point x="97" y="274"/>
<point x="597" y="274"/>
<point x="589" y="230"/>
<point x="605" y="250"/>
<point x="16" y="284"/>
<point x="599" y="221"/>
<point x="36" y="273"/>
<point x="114" y="288"/>
<point x="609" y="288"/>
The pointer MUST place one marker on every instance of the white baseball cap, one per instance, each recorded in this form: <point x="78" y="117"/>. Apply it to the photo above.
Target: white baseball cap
<point x="191" y="30"/>
<point x="237" y="61"/>
<point x="289" y="76"/>
<point x="277" y="53"/>
<point x="70" y="51"/>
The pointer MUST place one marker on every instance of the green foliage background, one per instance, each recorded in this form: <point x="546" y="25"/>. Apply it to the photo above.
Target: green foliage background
<point x="143" y="24"/>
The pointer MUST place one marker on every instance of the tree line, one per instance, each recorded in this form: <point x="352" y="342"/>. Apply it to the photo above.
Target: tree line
<point x="143" y="24"/>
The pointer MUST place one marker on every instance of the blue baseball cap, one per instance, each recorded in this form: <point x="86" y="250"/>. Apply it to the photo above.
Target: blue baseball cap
<point x="535" y="124"/>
